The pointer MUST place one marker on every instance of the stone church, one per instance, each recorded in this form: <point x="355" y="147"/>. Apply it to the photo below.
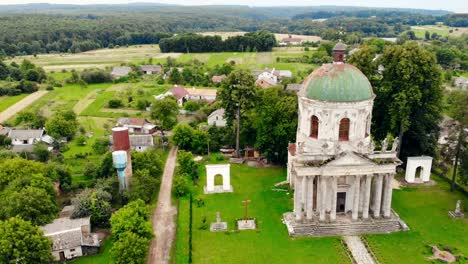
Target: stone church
<point x="342" y="186"/>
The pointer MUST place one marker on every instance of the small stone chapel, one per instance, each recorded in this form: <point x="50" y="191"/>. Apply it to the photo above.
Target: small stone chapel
<point x="342" y="186"/>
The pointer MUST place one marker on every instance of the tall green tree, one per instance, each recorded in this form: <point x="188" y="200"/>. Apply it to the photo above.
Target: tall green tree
<point x="409" y="99"/>
<point x="275" y="123"/>
<point x="21" y="242"/>
<point x="62" y="124"/>
<point x="364" y="60"/>
<point x="134" y="218"/>
<point x="165" y="112"/>
<point x="238" y="95"/>
<point x="458" y="109"/>
<point x="130" y="249"/>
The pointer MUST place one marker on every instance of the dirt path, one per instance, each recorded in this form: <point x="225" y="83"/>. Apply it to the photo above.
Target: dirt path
<point x="25" y="102"/>
<point x="164" y="225"/>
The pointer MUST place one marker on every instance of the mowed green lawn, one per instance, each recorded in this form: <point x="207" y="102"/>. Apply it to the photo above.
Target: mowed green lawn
<point x="425" y="210"/>
<point x="7" y="101"/>
<point x="270" y="244"/>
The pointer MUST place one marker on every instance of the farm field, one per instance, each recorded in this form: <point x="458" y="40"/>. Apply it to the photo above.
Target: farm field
<point x="425" y="211"/>
<point x="439" y="29"/>
<point x="96" y="58"/>
<point x="269" y="244"/>
<point x="7" y="101"/>
<point x="111" y="57"/>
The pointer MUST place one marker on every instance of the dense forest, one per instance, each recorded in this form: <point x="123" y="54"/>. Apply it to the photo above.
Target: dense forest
<point x="43" y="28"/>
<point x="253" y="41"/>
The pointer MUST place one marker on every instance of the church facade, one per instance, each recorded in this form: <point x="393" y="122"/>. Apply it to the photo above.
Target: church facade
<point x="342" y="185"/>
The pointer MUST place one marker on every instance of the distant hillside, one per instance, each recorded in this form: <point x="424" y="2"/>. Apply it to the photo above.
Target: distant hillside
<point x="260" y="13"/>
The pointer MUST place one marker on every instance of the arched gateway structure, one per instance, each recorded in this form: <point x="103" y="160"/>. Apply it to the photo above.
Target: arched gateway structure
<point x="341" y="185"/>
<point x="213" y="170"/>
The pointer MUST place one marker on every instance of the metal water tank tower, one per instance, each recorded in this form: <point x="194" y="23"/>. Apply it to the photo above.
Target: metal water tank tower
<point x="120" y="163"/>
<point x="121" y="138"/>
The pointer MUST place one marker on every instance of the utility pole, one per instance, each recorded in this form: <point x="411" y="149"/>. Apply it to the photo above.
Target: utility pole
<point x="238" y="131"/>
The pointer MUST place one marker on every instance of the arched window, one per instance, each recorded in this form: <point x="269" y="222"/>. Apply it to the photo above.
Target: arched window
<point x="314" y="123"/>
<point x="368" y="124"/>
<point x="344" y="130"/>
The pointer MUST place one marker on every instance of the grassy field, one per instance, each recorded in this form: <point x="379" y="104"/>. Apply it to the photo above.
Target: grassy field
<point x="425" y="210"/>
<point x="7" y="101"/>
<point x="269" y="244"/>
<point x="439" y="29"/>
<point x="96" y="58"/>
<point x="63" y="98"/>
<point x="137" y="54"/>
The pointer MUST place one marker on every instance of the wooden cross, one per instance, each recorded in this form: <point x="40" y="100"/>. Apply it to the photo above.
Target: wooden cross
<point x="246" y="205"/>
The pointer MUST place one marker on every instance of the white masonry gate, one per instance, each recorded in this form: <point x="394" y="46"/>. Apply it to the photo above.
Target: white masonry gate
<point x="413" y="163"/>
<point x="214" y="169"/>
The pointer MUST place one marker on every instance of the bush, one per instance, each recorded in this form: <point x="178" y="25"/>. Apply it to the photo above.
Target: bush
<point x="101" y="145"/>
<point x="181" y="185"/>
<point x="50" y="88"/>
<point x="95" y="76"/>
<point x="115" y="103"/>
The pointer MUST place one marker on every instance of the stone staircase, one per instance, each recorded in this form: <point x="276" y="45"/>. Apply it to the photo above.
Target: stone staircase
<point x="348" y="228"/>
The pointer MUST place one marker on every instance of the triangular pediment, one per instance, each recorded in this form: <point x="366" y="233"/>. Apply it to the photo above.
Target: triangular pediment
<point x="349" y="159"/>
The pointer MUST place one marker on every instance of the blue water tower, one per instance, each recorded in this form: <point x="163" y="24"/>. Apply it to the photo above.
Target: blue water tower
<point x="120" y="163"/>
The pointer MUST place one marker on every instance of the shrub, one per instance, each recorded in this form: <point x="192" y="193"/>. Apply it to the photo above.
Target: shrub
<point x="115" y="103"/>
<point x="181" y="185"/>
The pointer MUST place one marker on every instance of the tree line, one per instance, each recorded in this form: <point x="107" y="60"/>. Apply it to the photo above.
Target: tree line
<point x="253" y="41"/>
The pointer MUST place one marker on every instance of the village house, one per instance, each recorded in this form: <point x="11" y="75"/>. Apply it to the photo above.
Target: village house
<point x="25" y="136"/>
<point x="267" y="79"/>
<point x="152" y="69"/>
<point x="200" y="94"/>
<point x="291" y="41"/>
<point x="280" y="74"/>
<point x="120" y="71"/>
<point x="183" y="94"/>
<point x="461" y="83"/>
<point x="178" y="91"/>
<point x="217" y="118"/>
<point x="71" y="238"/>
<point x="136" y="125"/>
<point x="139" y="143"/>
<point x="218" y="78"/>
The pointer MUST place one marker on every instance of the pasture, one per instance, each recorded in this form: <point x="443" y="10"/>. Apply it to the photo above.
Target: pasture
<point x="96" y="58"/>
<point x="439" y="29"/>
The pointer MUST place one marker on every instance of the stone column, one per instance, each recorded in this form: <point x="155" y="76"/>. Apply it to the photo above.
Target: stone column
<point x="357" y="183"/>
<point x="310" y="197"/>
<point x="378" y="195"/>
<point x="333" y="200"/>
<point x="304" y="192"/>
<point x="365" y="209"/>
<point x="388" y="196"/>
<point x="323" y="197"/>
<point x="297" y="201"/>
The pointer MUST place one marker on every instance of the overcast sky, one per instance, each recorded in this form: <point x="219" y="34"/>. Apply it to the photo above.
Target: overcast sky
<point x="459" y="6"/>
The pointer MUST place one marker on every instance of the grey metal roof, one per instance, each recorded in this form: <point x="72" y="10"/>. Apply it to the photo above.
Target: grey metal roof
<point x="24" y="134"/>
<point x="121" y="71"/>
<point x="152" y="68"/>
<point x="141" y="140"/>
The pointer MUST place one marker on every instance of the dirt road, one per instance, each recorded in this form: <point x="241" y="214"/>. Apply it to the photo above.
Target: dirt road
<point x="25" y="102"/>
<point x="163" y="217"/>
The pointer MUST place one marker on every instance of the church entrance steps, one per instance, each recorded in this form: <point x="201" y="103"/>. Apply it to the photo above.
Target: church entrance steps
<point x="342" y="227"/>
<point x="358" y="250"/>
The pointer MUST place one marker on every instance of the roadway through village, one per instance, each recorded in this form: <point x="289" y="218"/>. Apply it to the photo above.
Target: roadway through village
<point x="164" y="216"/>
<point x="22" y="104"/>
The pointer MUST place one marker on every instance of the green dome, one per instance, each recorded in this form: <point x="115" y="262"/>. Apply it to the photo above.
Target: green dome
<point x="338" y="83"/>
